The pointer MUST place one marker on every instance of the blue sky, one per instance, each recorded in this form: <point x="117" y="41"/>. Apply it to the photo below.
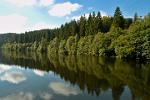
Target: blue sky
<point x="25" y="15"/>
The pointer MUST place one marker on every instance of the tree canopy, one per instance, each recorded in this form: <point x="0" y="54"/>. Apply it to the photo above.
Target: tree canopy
<point x="95" y="35"/>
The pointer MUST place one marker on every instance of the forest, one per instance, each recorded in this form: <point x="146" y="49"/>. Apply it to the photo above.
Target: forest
<point x="115" y="36"/>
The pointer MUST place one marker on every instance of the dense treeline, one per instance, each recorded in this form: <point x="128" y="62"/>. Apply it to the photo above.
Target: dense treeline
<point x="95" y="35"/>
<point x="27" y="37"/>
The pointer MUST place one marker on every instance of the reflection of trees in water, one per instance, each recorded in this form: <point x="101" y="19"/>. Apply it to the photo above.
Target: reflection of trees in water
<point x="26" y="60"/>
<point x="93" y="74"/>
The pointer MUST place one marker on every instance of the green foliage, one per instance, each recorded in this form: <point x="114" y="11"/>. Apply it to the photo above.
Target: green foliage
<point x="98" y="23"/>
<point x="134" y="44"/>
<point x="95" y="35"/>
<point x="82" y="24"/>
<point x="135" y="17"/>
<point x="84" y="45"/>
<point x="42" y="46"/>
<point x="104" y="44"/>
<point x="34" y="46"/>
<point x="53" y="46"/>
<point x="118" y="20"/>
<point x="62" y="49"/>
<point x="71" y="45"/>
<point x="91" y="25"/>
<point x="96" y="44"/>
<point x="106" y="24"/>
<point x="122" y="46"/>
<point x="17" y="46"/>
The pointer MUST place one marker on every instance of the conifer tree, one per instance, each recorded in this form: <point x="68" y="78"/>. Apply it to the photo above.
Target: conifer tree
<point x="82" y="24"/>
<point x="118" y="20"/>
<point x="98" y="22"/>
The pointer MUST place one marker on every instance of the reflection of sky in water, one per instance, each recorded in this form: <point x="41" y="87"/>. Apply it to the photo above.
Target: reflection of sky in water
<point x="7" y="73"/>
<point x="4" y="68"/>
<point x="39" y="73"/>
<point x="13" y="77"/>
<point x="19" y="96"/>
<point x="63" y="89"/>
<point x="17" y="83"/>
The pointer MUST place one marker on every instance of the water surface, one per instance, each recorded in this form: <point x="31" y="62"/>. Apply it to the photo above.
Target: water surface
<point x="35" y="76"/>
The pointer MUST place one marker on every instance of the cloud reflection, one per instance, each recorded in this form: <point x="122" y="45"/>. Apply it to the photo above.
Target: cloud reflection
<point x="39" y="73"/>
<point x="46" y="96"/>
<point x="13" y="77"/>
<point x="4" y="68"/>
<point x="19" y="96"/>
<point x="63" y="89"/>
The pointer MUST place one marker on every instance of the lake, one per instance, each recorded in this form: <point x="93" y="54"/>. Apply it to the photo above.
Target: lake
<point x="35" y="76"/>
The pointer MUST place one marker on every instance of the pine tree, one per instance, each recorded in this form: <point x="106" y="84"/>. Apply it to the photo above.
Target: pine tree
<point x="82" y="24"/>
<point x="93" y="24"/>
<point x="98" y="22"/>
<point x="91" y="27"/>
<point x="74" y="27"/>
<point x="88" y="29"/>
<point x="135" y="17"/>
<point x="106" y="24"/>
<point x="118" y="20"/>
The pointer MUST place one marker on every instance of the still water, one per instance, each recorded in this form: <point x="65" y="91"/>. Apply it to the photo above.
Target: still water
<point x="32" y="76"/>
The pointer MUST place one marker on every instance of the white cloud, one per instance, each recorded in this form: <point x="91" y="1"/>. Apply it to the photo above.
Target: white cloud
<point x="103" y="13"/>
<point x="16" y="23"/>
<point x="87" y="15"/>
<point x="43" y="25"/>
<point x="63" y="9"/>
<point x="78" y="17"/>
<point x="19" y="96"/>
<point x="12" y="23"/>
<point x="128" y="17"/>
<point x="46" y="2"/>
<point x="22" y="3"/>
<point x="63" y="89"/>
<point x="13" y="77"/>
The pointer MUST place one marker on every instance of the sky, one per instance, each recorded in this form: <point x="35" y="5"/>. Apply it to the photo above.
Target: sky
<point x="17" y="16"/>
